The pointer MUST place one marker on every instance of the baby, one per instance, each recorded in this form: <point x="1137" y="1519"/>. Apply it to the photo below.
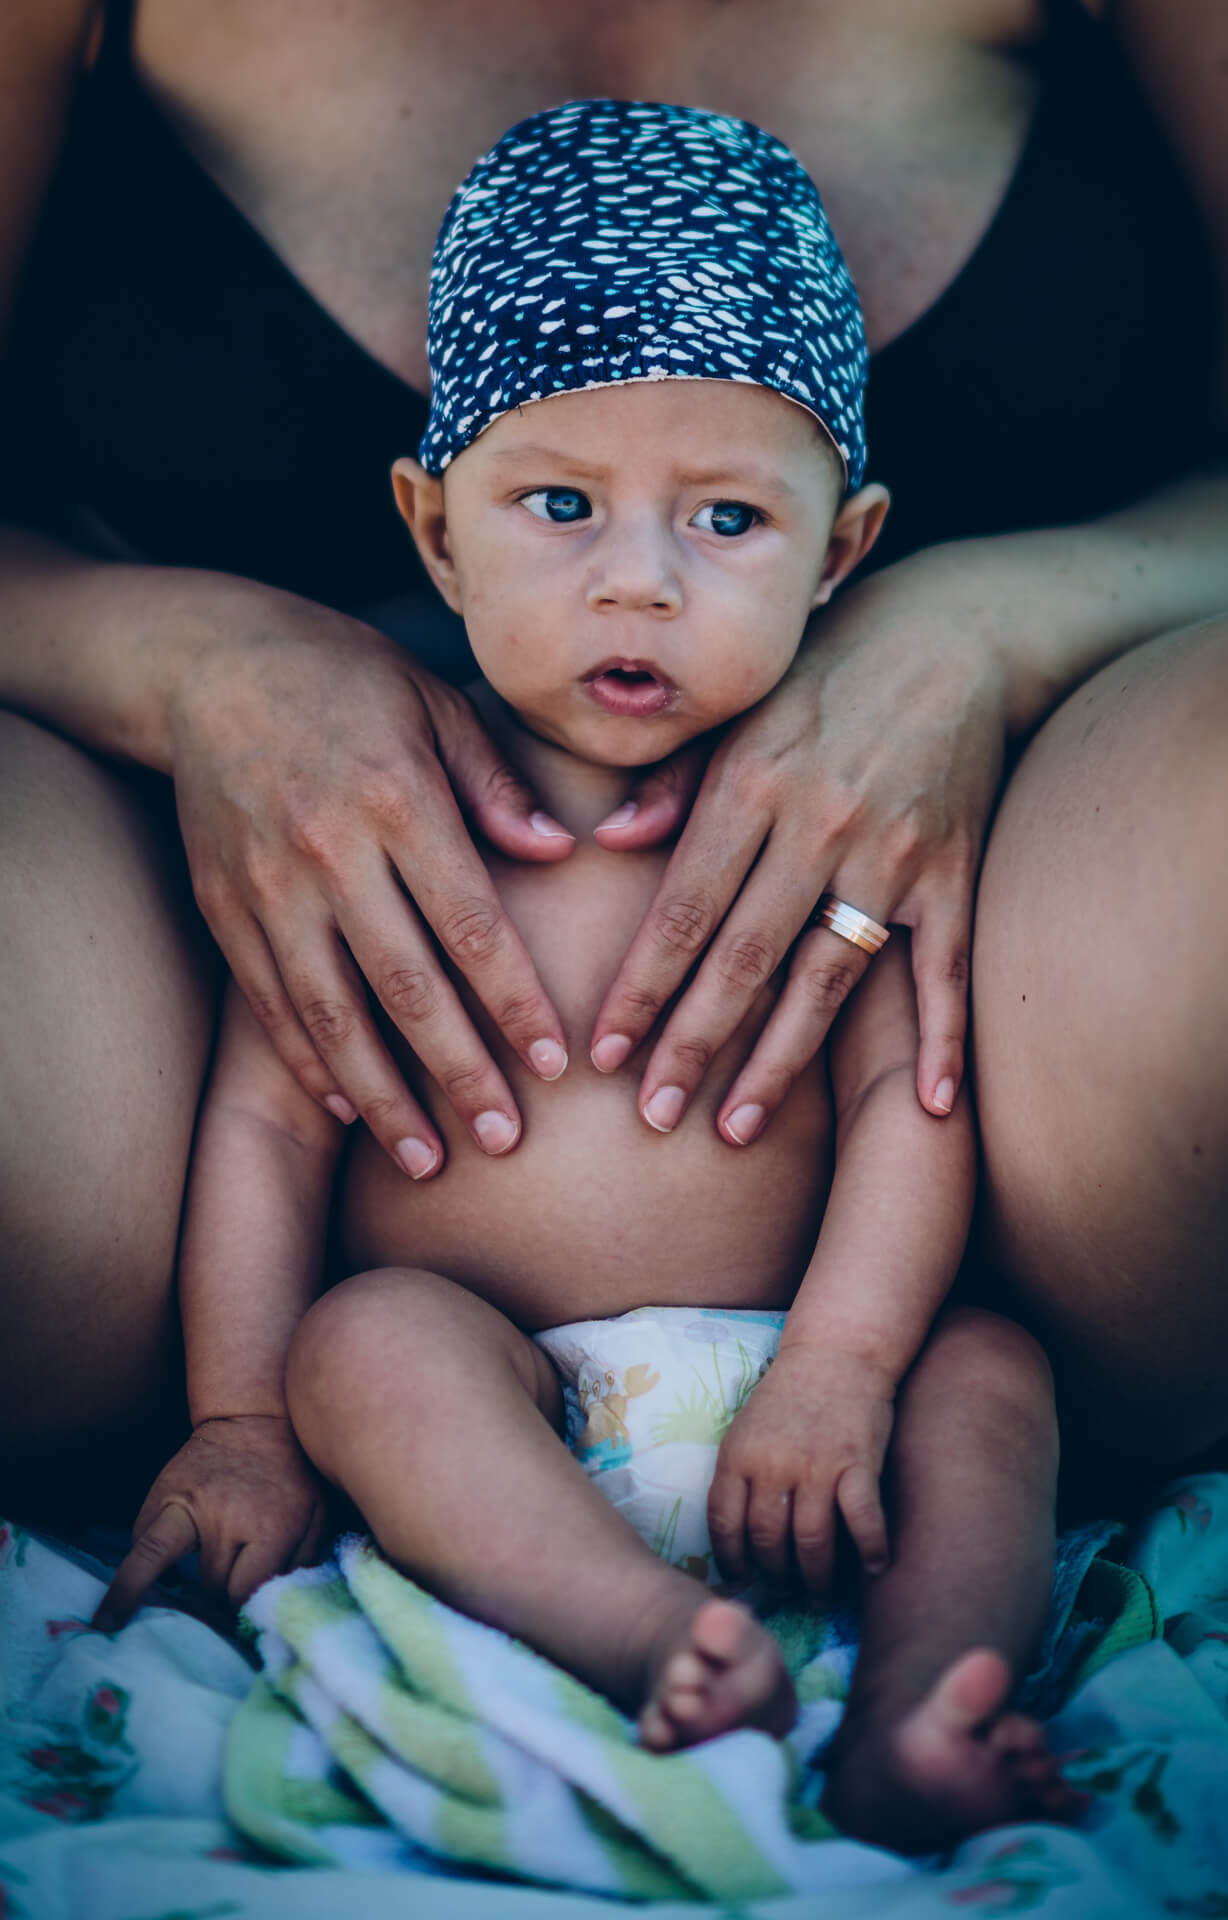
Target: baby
<point x="642" y="472"/>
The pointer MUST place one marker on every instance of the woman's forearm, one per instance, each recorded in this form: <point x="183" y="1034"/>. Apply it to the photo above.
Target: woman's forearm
<point x="1057" y="603"/>
<point x="99" y="649"/>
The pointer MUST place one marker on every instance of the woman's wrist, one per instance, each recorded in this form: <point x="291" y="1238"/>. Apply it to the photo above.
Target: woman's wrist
<point x="111" y="653"/>
<point x="1051" y="605"/>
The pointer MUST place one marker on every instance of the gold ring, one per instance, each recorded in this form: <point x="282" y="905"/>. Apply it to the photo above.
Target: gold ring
<point x="850" y="924"/>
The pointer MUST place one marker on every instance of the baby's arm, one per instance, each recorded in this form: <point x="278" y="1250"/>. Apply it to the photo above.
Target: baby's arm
<point x="809" y="1443"/>
<point x="250" y="1265"/>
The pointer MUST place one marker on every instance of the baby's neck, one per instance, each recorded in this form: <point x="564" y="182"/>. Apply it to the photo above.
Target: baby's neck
<point x="577" y="793"/>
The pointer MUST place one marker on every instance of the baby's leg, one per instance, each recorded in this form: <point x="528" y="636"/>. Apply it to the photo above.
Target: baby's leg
<point x="927" y="1754"/>
<point x="440" y="1420"/>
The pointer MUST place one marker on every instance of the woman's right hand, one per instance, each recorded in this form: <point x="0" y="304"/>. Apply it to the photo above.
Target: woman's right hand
<point x="320" y="774"/>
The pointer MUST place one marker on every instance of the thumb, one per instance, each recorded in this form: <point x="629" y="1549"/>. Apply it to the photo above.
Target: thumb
<point x="658" y="803"/>
<point x="496" y="797"/>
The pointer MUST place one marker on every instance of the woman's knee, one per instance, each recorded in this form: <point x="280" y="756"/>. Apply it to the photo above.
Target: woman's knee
<point x="107" y="993"/>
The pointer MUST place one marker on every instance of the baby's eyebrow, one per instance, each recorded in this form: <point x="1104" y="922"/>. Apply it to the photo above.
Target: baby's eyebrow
<point x="511" y="456"/>
<point x="737" y="480"/>
<point x="734" y="479"/>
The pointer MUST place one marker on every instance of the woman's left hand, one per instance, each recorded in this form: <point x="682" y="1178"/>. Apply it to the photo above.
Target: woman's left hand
<point x="869" y="772"/>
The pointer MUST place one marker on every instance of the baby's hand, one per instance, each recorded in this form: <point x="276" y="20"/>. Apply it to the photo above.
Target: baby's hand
<point x="807" y="1446"/>
<point x="242" y="1492"/>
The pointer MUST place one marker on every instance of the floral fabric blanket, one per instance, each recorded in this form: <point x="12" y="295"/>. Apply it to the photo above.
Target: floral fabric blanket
<point x="111" y="1772"/>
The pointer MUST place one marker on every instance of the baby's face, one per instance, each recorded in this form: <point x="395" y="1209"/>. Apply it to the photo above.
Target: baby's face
<point x="634" y="564"/>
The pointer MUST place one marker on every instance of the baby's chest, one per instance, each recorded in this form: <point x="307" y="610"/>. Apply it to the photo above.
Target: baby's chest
<point x="594" y="1213"/>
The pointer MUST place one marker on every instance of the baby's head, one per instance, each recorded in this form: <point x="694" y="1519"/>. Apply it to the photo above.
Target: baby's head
<point x="635" y="562"/>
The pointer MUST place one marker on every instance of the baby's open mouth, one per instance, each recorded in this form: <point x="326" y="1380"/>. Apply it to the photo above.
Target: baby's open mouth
<point x="631" y="687"/>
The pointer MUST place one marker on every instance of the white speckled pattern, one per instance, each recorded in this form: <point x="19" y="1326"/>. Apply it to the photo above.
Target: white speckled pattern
<point x="612" y="240"/>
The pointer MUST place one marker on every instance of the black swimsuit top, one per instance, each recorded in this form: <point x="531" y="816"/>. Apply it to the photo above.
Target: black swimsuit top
<point x="188" y="389"/>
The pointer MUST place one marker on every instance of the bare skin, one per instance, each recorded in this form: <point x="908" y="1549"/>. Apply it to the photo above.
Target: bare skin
<point x="432" y="1373"/>
<point x="911" y="185"/>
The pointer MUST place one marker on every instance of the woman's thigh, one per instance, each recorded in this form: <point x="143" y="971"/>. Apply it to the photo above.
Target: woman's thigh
<point x="107" y="995"/>
<point x="1100" y="1017"/>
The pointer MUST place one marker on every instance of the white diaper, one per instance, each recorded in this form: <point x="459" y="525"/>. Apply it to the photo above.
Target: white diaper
<point x="649" y="1397"/>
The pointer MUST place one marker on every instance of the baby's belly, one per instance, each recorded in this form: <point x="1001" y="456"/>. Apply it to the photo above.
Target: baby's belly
<point x="594" y="1213"/>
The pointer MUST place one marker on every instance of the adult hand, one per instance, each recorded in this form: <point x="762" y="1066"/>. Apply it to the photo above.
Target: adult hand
<point x="805" y="1451"/>
<point x="241" y="1492"/>
<point x="320" y="774"/>
<point x="869" y="772"/>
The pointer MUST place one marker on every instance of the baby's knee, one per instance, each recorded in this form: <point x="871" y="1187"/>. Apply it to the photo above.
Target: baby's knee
<point x="979" y="1356"/>
<point x="345" y="1347"/>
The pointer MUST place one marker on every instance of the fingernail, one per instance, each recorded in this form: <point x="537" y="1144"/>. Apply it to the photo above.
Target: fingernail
<point x="340" y="1108"/>
<point x="416" y="1157"/>
<point x="549" y="829"/>
<point x="495" y="1133"/>
<point x="549" y="1059"/>
<point x="664" y="1110"/>
<point x="944" y="1095"/>
<point x="744" y="1123"/>
<point x="609" y="1053"/>
<point x="621" y="816"/>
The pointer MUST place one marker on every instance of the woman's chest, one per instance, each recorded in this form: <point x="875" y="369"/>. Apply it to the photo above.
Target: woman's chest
<point x="341" y="132"/>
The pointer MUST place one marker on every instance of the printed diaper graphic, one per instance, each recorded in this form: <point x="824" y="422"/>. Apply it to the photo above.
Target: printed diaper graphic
<point x="650" y="1397"/>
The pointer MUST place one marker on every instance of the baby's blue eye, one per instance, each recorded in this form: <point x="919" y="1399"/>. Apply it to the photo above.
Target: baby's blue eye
<point x="726" y="517"/>
<point x="560" y="504"/>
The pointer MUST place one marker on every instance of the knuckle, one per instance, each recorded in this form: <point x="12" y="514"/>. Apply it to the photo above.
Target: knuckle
<point x="518" y="1013"/>
<point x="387" y="800"/>
<point x="905" y="839"/>
<point x="957" y="969"/>
<point x="473" y="932"/>
<point x="503" y="787"/>
<point x="748" y="961"/>
<point x="382" y="1111"/>
<point x="214" y="895"/>
<point x="309" y="831"/>
<point x="828" y="985"/>
<point x="685" y="922"/>
<point x="268" y="877"/>
<point x="410" y="994"/>
<point x="268" y="1007"/>
<point x="464" y="1084"/>
<point x="640" y="1006"/>
<point x="692" y="1056"/>
<point x="330" y="1023"/>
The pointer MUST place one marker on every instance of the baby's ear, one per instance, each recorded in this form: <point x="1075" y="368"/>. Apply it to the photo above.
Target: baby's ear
<point x="419" y="495"/>
<point x="858" y="525"/>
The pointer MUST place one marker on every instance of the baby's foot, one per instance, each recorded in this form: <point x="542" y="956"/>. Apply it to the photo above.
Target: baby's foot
<point x="719" y="1669"/>
<point x="951" y="1766"/>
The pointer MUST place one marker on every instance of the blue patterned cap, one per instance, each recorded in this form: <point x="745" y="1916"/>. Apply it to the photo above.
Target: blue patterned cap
<point x="613" y="240"/>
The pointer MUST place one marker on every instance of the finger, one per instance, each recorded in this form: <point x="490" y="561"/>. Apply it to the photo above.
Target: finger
<point x="496" y="796"/>
<point x="307" y="1553"/>
<point x="727" y="1498"/>
<point x="941" y="948"/>
<point x="250" y="958"/>
<point x="254" y="1563"/>
<point x="814" y="1539"/>
<point x="756" y="936"/>
<point x="861" y="1507"/>
<point x="769" y="1528"/>
<point x="658" y="803"/>
<point x="703" y="876"/>
<point x="327" y="991"/>
<point x="167" y="1538"/>
<point x="822" y="973"/>
<point x="455" y="894"/>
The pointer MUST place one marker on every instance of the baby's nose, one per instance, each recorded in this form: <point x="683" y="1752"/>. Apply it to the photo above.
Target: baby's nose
<point x="635" y="570"/>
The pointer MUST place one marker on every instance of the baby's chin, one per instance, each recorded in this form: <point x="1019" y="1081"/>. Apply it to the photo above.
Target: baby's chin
<point x="626" y="744"/>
